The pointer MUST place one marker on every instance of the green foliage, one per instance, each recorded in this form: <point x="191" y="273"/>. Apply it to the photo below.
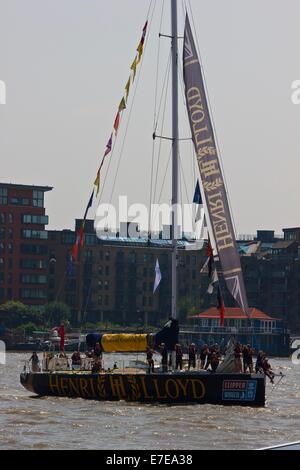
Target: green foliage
<point x="56" y="312"/>
<point x="187" y="308"/>
<point x="28" y="327"/>
<point x="20" y="314"/>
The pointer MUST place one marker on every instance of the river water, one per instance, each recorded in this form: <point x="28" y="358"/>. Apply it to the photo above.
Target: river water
<point x="64" y="423"/>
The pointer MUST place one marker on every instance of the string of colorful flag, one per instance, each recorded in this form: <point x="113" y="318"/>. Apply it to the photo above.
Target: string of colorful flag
<point x="79" y="240"/>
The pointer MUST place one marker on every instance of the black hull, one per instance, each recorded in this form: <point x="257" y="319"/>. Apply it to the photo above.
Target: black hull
<point x="188" y="387"/>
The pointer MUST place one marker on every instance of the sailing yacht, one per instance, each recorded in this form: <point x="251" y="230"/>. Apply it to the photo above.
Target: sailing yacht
<point x="200" y="386"/>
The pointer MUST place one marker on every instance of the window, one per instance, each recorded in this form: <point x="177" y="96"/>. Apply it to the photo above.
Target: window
<point x="10" y="263"/>
<point x="10" y="248"/>
<point x="32" y="264"/>
<point x="100" y="285"/>
<point x="106" y="300"/>
<point x="107" y="255"/>
<point x="1" y="247"/>
<point x="3" y="196"/>
<point x="2" y="233"/>
<point x="33" y="293"/>
<point x="2" y="218"/>
<point x="9" y="278"/>
<point x="107" y="270"/>
<point x="1" y="262"/>
<point x="106" y="285"/>
<point x="10" y="218"/>
<point x="1" y="277"/>
<point x="34" y="219"/>
<point x="100" y="270"/>
<point x="34" y="249"/>
<point x="67" y="238"/>
<point x="39" y="234"/>
<point x="10" y="233"/>
<point x="100" y="299"/>
<point x="19" y="201"/>
<point x="33" y="279"/>
<point x="38" y="199"/>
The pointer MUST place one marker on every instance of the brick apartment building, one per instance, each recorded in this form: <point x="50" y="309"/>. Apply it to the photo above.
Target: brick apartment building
<point x="23" y="244"/>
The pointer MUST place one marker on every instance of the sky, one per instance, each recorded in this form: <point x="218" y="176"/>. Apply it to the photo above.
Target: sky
<point x="65" y="64"/>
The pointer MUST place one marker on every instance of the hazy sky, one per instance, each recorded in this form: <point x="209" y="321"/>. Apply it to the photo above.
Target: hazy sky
<point x="65" y="64"/>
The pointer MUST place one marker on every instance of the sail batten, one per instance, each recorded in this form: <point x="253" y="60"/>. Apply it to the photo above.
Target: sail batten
<point x="212" y="180"/>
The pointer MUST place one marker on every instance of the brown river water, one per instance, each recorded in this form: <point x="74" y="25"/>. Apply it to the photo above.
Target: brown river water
<point x="63" y="423"/>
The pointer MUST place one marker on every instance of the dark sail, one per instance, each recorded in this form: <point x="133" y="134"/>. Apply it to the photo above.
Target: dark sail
<point x="210" y="171"/>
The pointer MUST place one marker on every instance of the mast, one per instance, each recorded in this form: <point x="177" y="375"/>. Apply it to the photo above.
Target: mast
<point x="174" y="230"/>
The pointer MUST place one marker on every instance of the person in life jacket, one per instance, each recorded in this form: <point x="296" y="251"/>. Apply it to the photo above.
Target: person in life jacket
<point x="179" y="355"/>
<point x="192" y="355"/>
<point x="150" y="360"/>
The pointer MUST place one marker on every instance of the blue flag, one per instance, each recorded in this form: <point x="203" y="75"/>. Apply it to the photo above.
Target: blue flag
<point x="157" y="276"/>
<point x="197" y="196"/>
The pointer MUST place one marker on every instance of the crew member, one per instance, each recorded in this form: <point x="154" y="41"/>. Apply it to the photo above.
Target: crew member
<point x="247" y="358"/>
<point x="150" y="360"/>
<point x="192" y="355"/>
<point x="76" y="359"/>
<point x="35" y="367"/>
<point x="238" y="356"/>
<point x="204" y="352"/>
<point x="266" y="366"/>
<point x="259" y="362"/>
<point x="164" y="357"/>
<point x="179" y="355"/>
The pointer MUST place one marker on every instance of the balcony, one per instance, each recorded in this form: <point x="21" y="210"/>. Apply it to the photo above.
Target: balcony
<point x="230" y="330"/>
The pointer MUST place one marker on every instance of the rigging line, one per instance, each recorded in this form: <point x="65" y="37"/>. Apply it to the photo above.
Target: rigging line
<point x="60" y="287"/>
<point x="116" y="137"/>
<point x="132" y="106"/>
<point x="164" y="178"/>
<point x="161" y="130"/>
<point x="154" y="119"/>
<point x="212" y="119"/>
<point x="87" y="302"/>
<point x="163" y="89"/>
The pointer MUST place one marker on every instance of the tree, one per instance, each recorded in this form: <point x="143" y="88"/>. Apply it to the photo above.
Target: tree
<point x="19" y="313"/>
<point x="56" y="312"/>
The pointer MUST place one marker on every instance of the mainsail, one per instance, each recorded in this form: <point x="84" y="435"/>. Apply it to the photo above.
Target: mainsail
<point x="210" y="171"/>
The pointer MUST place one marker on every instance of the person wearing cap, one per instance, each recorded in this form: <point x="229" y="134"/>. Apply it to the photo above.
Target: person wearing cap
<point x="192" y="355"/>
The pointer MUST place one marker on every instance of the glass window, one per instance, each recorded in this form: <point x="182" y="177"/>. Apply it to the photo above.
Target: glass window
<point x="100" y="285"/>
<point x="40" y="234"/>
<point x="10" y="218"/>
<point x="38" y="199"/>
<point x="100" y="299"/>
<point x="2" y="218"/>
<point x="1" y="247"/>
<point x="106" y="300"/>
<point x="10" y="233"/>
<point x="106" y="285"/>
<point x="1" y="262"/>
<point x="10" y="248"/>
<point x="107" y="255"/>
<point x="3" y="196"/>
<point x="107" y="270"/>
<point x="2" y="233"/>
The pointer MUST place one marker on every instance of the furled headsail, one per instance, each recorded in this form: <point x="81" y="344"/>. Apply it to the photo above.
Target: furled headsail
<point x="131" y="342"/>
<point x="210" y="171"/>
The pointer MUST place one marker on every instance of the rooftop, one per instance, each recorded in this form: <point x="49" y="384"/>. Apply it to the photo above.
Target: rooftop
<point x="26" y="186"/>
<point x="234" y="313"/>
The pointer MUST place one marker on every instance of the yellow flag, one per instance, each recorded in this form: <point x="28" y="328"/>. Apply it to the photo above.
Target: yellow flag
<point x="122" y="105"/>
<point x="127" y="87"/>
<point x="133" y="67"/>
<point x="97" y="182"/>
<point x="140" y="51"/>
